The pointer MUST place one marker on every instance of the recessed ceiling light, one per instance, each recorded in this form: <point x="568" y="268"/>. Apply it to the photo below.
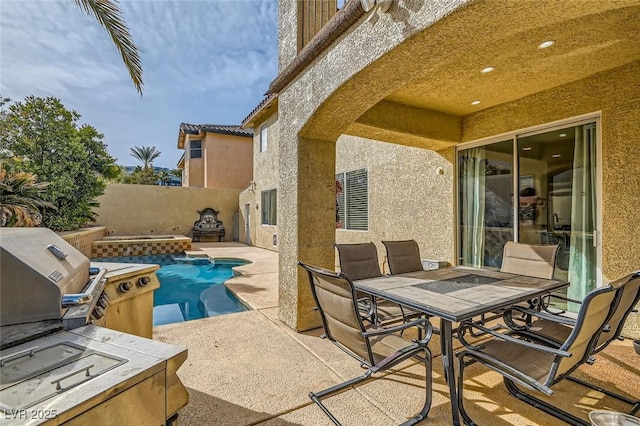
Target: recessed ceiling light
<point x="475" y="102"/>
<point x="527" y="148"/>
<point x="546" y="44"/>
<point x="562" y="135"/>
<point x="556" y="155"/>
<point x="487" y="69"/>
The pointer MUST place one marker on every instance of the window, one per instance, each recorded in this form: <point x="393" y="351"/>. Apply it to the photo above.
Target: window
<point x="263" y="137"/>
<point x="195" y="150"/>
<point x="269" y="210"/>
<point x="352" y="200"/>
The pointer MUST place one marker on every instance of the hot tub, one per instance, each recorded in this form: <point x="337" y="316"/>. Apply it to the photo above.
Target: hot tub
<point x="139" y="245"/>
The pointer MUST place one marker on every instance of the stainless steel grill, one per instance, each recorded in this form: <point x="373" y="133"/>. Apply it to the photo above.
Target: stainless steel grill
<point x="55" y="362"/>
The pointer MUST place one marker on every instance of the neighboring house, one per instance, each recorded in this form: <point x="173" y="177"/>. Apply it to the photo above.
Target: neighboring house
<point x="461" y="124"/>
<point x="216" y="156"/>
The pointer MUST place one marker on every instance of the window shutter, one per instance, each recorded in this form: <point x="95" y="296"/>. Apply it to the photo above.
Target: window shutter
<point x="272" y="207"/>
<point x="264" y="134"/>
<point x="340" y="203"/>
<point x="357" y="200"/>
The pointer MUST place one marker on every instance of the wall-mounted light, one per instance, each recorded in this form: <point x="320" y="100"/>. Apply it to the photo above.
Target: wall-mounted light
<point x="378" y="7"/>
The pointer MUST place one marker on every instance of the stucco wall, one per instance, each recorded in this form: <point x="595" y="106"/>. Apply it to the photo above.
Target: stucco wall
<point x="265" y="172"/>
<point x="154" y="210"/>
<point x="615" y="94"/>
<point x="287" y="32"/>
<point x="408" y="198"/>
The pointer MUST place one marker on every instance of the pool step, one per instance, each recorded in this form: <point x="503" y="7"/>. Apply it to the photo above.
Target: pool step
<point x="167" y="314"/>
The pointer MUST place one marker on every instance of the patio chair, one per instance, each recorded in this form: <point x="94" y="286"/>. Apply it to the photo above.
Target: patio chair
<point x="534" y="366"/>
<point x="528" y="259"/>
<point x="525" y="259"/>
<point x="374" y="347"/>
<point x="403" y="256"/>
<point x="359" y="262"/>
<point x="553" y="329"/>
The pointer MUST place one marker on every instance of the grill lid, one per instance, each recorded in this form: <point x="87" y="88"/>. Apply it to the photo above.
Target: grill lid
<point x="38" y="268"/>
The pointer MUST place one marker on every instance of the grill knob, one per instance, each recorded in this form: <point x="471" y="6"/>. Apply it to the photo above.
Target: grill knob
<point x="98" y="312"/>
<point x="103" y="301"/>
<point x="143" y="281"/>
<point x="125" y="286"/>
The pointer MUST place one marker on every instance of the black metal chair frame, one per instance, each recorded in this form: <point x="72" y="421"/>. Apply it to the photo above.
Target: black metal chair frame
<point x="512" y="376"/>
<point x="413" y="349"/>
<point x="523" y="331"/>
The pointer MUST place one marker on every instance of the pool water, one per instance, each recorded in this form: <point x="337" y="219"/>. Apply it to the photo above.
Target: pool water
<point x="190" y="288"/>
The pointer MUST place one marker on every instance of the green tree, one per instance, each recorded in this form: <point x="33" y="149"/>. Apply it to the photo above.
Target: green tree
<point x="111" y="18"/>
<point x="164" y="177"/>
<point x="146" y="154"/>
<point x="45" y="139"/>
<point x="21" y="195"/>
<point x="141" y="176"/>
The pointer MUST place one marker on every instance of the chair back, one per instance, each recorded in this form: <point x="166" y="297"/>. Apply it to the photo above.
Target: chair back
<point x="527" y="259"/>
<point x="336" y="300"/>
<point x="594" y="313"/>
<point x="359" y="261"/>
<point x="403" y="256"/>
<point x="628" y="295"/>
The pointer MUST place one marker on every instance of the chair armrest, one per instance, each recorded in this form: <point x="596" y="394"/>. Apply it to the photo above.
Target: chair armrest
<point x="508" y="317"/>
<point x="420" y="322"/>
<point x="545" y="301"/>
<point x="366" y="307"/>
<point x="462" y="329"/>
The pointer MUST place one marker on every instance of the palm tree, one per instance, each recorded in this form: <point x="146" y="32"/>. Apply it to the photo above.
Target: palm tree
<point x="110" y="16"/>
<point x="146" y="154"/>
<point x="20" y="198"/>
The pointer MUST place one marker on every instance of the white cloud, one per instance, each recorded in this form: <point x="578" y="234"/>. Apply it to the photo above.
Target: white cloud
<point x="203" y="61"/>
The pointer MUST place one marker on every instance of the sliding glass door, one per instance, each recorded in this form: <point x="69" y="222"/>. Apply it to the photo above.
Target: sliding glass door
<point x="553" y="174"/>
<point x="486" y="203"/>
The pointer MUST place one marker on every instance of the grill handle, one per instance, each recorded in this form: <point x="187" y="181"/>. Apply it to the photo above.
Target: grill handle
<point x="69" y="300"/>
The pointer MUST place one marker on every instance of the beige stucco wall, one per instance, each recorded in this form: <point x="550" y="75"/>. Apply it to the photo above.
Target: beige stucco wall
<point x="227" y="161"/>
<point x="265" y="172"/>
<point x="408" y="198"/>
<point x="161" y="210"/>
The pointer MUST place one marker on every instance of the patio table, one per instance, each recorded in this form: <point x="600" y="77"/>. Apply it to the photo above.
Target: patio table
<point x="456" y="294"/>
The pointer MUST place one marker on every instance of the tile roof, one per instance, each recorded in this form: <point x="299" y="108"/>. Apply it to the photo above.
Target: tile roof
<point x="194" y="129"/>
<point x="267" y="100"/>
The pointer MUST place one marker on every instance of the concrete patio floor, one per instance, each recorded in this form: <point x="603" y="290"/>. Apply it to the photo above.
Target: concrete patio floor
<point x="249" y="368"/>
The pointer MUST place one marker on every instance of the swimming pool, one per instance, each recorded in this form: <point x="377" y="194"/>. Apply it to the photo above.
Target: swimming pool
<point x="190" y="288"/>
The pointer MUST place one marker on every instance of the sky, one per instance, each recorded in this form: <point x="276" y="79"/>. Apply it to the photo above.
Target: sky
<point x="206" y="61"/>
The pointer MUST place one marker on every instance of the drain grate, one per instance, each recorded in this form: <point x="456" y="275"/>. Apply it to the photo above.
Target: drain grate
<point x="454" y="284"/>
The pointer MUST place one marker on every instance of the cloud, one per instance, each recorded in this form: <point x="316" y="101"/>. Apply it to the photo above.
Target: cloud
<point x="203" y="62"/>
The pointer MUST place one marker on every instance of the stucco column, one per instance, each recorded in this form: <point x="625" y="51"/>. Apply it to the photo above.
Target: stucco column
<point x="306" y="216"/>
<point x="287" y="32"/>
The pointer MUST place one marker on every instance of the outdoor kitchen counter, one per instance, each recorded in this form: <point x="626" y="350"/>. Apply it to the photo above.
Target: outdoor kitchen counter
<point x="129" y="295"/>
<point x="144" y="361"/>
<point x="118" y="271"/>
